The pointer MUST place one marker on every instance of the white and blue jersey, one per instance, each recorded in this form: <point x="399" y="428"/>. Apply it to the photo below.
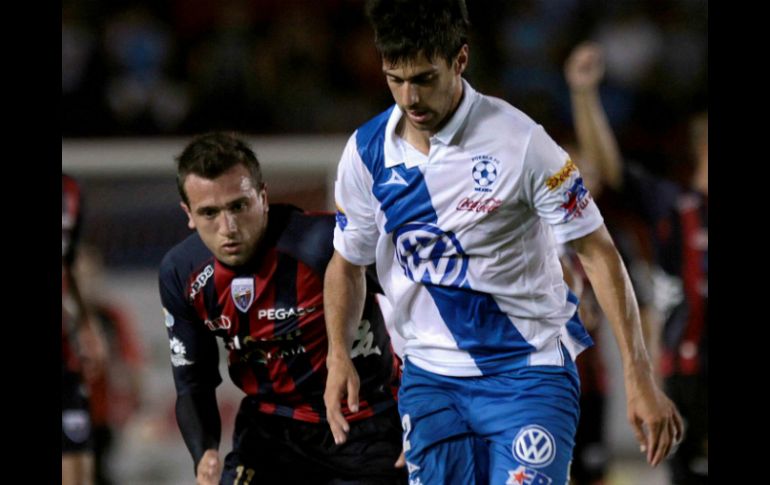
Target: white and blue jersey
<point x="465" y="237"/>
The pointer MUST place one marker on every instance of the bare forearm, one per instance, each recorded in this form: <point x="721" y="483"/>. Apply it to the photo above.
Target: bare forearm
<point x="595" y="137"/>
<point x="344" y="292"/>
<point x="613" y="289"/>
<point x="653" y="417"/>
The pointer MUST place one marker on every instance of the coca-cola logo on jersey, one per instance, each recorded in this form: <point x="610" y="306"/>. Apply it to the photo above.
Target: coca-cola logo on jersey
<point x="481" y="205"/>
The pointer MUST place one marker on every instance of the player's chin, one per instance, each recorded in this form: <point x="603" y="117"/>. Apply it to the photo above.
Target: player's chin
<point x="231" y="259"/>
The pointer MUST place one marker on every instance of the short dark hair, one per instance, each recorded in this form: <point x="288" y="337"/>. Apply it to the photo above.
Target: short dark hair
<point x="404" y="28"/>
<point x="212" y="154"/>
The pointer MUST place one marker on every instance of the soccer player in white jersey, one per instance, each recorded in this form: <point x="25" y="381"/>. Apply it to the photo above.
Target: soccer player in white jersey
<point x="461" y="199"/>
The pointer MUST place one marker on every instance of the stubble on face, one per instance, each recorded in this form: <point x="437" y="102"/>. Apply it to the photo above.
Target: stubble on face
<point x="228" y="212"/>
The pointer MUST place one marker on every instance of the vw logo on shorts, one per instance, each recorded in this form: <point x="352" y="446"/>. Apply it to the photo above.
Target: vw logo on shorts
<point x="534" y="446"/>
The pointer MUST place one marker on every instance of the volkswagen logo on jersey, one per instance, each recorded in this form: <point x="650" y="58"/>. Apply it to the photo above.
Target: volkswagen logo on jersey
<point x="429" y="255"/>
<point x="484" y="172"/>
<point x="534" y="446"/>
<point x="242" y="291"/>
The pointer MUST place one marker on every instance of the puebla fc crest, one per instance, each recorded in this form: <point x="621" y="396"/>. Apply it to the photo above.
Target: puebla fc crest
<point x="485" y="172"/>
<point x="242" y="291"/>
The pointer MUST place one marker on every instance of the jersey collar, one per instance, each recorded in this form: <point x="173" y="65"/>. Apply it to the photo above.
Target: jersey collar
<point x="394" y="155"/>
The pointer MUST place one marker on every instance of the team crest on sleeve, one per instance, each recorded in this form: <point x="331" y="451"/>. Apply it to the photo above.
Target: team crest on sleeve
<point x="485" y="172"/>
<point x="178" y="353"/>
<point x="576" y="199"/>
<point x="534" y="446"/>
<point x="242" y="291"/>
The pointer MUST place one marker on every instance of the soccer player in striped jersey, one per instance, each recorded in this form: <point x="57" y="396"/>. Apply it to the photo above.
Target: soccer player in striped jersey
<point x="252" y="276"/>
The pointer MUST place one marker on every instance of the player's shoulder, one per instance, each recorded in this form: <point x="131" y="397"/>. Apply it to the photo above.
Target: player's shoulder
<point x="503" y="115"/>
<point x="186" y="257"/>
<point x="306" y="236"/>
<point x="370" y="135"/>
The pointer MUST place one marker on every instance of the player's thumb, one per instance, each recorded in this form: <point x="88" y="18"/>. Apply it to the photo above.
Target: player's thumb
<point x="353" y="395"/>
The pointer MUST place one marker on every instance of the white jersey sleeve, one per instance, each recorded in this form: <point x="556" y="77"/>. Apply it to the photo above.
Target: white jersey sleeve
<point x="556" y="189"/>
<point x="355" y="233"/>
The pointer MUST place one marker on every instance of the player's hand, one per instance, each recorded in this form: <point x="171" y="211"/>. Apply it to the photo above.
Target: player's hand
<point x="209" y="469"/>
<point x="584" y="68"/>
<point x="656" y="421"/>
<point x="342" y="381"/>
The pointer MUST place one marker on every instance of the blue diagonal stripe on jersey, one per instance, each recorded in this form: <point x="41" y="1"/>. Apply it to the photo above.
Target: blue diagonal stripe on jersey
<point x="400" y="203"/>
<point x="481" y="328"/>
<point x="575" y="327"/>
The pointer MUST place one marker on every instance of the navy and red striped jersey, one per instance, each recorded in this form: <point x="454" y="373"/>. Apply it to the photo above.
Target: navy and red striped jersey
<point x="70" y="228"/>
<point x="269" y="316"/>
<point x="683" y="238"/>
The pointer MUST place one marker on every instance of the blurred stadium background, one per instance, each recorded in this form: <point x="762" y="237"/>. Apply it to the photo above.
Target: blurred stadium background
<point x="297" y="77"/>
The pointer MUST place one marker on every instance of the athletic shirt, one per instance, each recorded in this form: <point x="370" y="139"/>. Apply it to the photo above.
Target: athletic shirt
<point x="269" y="315"/>
<point x="683" y="255"/>
<point x="465" y="238"/>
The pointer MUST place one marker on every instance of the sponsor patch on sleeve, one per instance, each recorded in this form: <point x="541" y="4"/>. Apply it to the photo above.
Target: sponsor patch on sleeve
<point x="561" y="176"/>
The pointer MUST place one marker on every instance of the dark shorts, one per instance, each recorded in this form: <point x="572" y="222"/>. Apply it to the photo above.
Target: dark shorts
<point x="590" y="456"/>
<point x="75" y="415"/>
<point x="276" y="449"/>
<point x="689" y="463"/>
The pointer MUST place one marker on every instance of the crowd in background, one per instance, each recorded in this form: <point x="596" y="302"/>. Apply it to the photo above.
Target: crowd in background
<point x="176" y="67"/>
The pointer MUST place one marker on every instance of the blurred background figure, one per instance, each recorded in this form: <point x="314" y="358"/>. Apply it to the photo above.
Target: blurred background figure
<point x="82" y="350"/>
<point x="661" y="229"/>
<point x="115" y="394"/>
<point x="683" y="253"/>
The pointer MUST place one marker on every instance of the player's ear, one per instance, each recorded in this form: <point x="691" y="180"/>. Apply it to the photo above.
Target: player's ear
<point x="461" y="61"/>
<point x="190" y="222"/>
<point x="262" y="194"/>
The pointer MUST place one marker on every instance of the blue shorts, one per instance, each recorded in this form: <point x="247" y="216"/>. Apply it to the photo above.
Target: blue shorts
<point x="512" y="428"/>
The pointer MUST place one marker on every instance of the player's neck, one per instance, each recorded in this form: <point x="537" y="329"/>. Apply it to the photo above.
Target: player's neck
<point x="419" y="139"/>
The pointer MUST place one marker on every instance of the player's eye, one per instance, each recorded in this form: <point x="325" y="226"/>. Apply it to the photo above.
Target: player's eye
<point x="239" y="206"/>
